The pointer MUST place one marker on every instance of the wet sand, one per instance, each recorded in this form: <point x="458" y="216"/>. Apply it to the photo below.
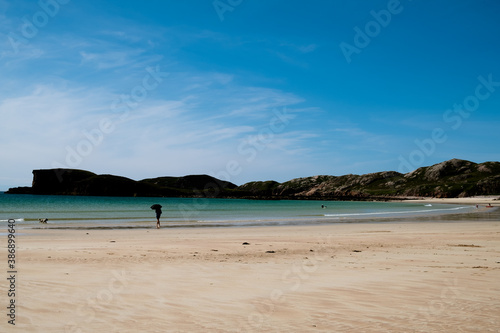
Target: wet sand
<point x="430" y="275"/>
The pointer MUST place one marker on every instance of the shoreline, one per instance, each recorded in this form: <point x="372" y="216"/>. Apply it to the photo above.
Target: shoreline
<point x="449" y="217"/>
<point x="333" y="217"/>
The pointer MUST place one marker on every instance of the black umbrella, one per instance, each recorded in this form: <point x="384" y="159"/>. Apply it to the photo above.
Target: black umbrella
<point x="156" y="206"/>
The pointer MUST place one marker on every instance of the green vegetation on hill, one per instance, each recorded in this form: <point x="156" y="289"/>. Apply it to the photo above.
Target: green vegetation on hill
<point x="454" y="178"/>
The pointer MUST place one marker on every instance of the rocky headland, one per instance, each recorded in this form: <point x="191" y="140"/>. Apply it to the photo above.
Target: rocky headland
<point x="450" y="179"/>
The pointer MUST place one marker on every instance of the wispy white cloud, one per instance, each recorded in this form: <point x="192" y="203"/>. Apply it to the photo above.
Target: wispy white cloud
<point x="124" y="35"/>
<point x="159" y="128"/>
<point x="301" y="48"/>
<point x="308" y="48"/>
<point x="357" y="139"/>
<point x="256" y="102"/>
<point x="194" y="122"/>
<point x="112" y="59"/>
<point x="37" y="127"/>
<point x="289" y="59"/>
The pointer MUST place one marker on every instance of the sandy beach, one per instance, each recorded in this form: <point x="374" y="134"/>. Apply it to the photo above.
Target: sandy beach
<point x="485" y="200"/>
<point x="407" y="276"/>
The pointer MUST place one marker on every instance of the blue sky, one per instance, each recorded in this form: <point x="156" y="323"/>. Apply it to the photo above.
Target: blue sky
<point x="244" y="89"/>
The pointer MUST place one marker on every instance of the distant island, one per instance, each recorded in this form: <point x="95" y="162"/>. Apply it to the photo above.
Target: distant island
<point x="450" y="179"/>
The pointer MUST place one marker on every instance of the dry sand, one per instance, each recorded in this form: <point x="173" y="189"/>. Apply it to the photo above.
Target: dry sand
<point x="484" y="200"/>
<point x="426" y="276"/>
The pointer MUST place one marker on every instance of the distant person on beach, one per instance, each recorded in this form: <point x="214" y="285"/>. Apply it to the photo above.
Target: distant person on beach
<point x="158" y="214"/>
<point x="158" y="211"/>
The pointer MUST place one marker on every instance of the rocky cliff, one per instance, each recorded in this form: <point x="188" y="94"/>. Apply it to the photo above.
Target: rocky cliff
<point x="449" y="179"/>
<point x="80" y="182"/>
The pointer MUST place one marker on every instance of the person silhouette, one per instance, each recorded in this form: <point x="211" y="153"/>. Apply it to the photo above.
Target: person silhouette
<point x="158" y="211"/>
<point x="158" y="214"/>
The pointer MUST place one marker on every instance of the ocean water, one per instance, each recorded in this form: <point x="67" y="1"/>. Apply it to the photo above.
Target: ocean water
<point x="135" y="212"/>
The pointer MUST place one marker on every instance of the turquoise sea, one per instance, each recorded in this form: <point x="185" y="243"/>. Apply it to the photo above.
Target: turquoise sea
<point x="135" y="212"/>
